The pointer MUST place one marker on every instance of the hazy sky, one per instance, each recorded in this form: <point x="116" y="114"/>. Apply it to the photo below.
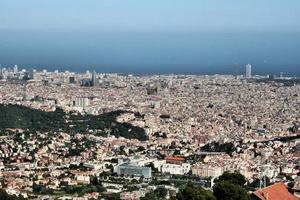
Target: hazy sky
<point x="155" y="35"/>
<point x="154" y="15"/>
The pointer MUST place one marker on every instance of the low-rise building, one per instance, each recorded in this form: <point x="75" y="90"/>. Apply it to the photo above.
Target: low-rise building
<point x="130" y="169"/>
<point x="207" y="171"/>
<point x="176" y="169"/>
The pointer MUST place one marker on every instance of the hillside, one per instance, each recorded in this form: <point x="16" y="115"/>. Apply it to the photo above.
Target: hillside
<point x="15" y="116"/>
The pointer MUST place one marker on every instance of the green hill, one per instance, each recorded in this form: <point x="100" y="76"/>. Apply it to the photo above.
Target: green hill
<point x="15" y="116"/>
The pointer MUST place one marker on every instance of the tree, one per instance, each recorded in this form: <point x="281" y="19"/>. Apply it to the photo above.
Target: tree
<point x="190" y="192"/>
<point x="41" y="189"/>
<point x="150" y="196"/>
<point x="114" y="196"/>
<point x="164" y="135"/>
<point x="225" y="190"/>
<point x="159" y="194"/>
<point x="235" y="178"/>
<point x="15" y="116"/>
<point x="153" y="169"/>
<point x="94" y="180"/>
<point x="134" y="181"/>
<point x="141" y="148"/>
<point x="290" y="187"/>
<point x="256" y="183"/>
<point x="111" y="167"/>
<point x="173" y="145"/>
<point x="176" y="152"/>
<point x="5" y="196"/>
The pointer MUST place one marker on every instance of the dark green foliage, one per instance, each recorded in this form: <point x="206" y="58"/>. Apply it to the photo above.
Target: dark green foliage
<point x="256" y="183"/>
<point x="291" y="186"/>
<point x="234" y="178"/>
<point x="108" y="121"/>
<point x="113" y="196"/>
<point x="104" y="175"/>
<point x="83" y="189"/>
<point x="149" y="196"/>
<point x="216" y="147"/>
<point x="159" y="182"/>
<point x="140" y="148"/>
<point x="173" y="145"/>
<point x="15" y="116"/>
<point x="230" y="186"/>
<point x="159" y="194"/>
<point x="111" y="167"/>
<point x="191" y="192"/>
<point x="75" y="152"/>
<point x="225" y="190"/>
<point x="153" y="169"/>
<point x="176" y="152"/>
<point x="41" y="189"/>
<point x="5" y="196"/>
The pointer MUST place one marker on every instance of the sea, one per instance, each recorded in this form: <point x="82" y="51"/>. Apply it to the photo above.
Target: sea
<point x="198" y="52"/>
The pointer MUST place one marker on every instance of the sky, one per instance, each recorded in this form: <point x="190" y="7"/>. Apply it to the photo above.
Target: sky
<point x="157" y="36"/>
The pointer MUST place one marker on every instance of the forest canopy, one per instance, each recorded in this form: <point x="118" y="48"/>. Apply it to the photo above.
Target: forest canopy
<point x="21" y="117"/>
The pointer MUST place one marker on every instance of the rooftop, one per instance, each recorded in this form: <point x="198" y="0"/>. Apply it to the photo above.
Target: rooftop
<point x="277" y="191"/>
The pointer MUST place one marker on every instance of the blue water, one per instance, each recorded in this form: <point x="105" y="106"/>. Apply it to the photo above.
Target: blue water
<point x="188" y="53"/>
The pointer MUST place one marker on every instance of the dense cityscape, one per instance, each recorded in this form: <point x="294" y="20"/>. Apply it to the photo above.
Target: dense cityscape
<point x="67" y="135"/>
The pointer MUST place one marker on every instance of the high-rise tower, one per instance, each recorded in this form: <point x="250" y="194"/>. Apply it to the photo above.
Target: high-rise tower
<point x="1" y="75"/>
<point x="15" y="70"/>
<point x="248" y="70"/>
<point x="94" y="78"/>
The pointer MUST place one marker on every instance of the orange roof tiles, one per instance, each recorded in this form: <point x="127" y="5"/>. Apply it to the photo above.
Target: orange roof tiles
<point x="175" y="158"/>
<point x="277" y="191"/>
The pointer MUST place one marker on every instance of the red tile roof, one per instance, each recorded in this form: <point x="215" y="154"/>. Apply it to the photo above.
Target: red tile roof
<point x="277" y="191"/>
<point x="175" y="158"/>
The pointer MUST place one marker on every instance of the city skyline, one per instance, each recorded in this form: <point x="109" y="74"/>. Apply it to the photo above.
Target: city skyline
<point x="88" y="135"/>
<point x="149" y="100"/>
<point x="204" y="37"/>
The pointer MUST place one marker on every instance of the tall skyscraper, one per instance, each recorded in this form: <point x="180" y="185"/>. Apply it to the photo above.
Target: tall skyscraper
<point x="15" y="69"/>
<point x="1" y="72"/>
<point x="31" y="74"/>
<point x="248" y="70"/>
<point x="94" y="78"/>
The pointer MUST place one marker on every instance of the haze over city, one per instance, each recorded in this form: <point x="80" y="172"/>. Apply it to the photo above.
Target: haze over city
<point x="149" y="100"/>
<point x="172" y="36"/>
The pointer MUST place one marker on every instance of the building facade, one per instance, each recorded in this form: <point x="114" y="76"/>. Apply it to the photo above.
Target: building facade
<point x="248" y="70"/>
<point x="176" y="169"/>
<point x="133" y="170"/>
<point x="207" y="171"/>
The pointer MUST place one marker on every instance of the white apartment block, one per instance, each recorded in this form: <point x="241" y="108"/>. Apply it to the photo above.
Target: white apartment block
<point x="176" y="169"/>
